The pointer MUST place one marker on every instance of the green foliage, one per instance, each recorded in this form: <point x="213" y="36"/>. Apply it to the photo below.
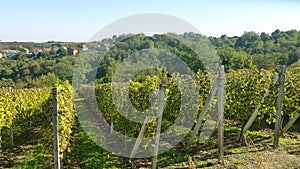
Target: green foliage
<point x="93" y="156"/>
<point x="20" y="70"/>
<point x="66" y="118"/>
<point x="232" y="59"/>
<point x="142" y="93"/>
<point x="245" y="89"/>
<point x="131" y="44"/>
<point x="245" y="86"/>
<point x="37" y="160"/>
<point x="21" y="106"/>
<point x="263" y="50"/>
<point x="250" y="51"/>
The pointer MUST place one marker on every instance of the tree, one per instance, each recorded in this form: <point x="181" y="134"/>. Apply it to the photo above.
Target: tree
<point x="268" y="46"/>
<point x="276" y="34"/>
<point x="231" y="59"/>
<point x="249" y="41"/>
<point x="265" y="37"/>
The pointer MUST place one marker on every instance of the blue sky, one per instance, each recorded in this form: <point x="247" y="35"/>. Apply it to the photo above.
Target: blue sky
<point x="79" y="20"/>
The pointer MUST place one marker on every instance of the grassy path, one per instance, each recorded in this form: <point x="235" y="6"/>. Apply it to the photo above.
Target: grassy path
<point x="24" y="143"/>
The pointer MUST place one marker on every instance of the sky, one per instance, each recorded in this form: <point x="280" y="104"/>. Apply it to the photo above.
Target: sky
<point x="79" y="20"/>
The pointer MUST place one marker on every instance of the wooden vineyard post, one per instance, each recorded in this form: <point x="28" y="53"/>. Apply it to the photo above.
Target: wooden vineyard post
<point x="203" y="112"/>
<point x="278" y="126"/>
<point x="255" y="113"/>
<point x="161" y="99"/>
<point x="12" y="135"/>
<point x="139" y="139"/>
<point x="11" y="138"/>
<point x="0" y="141"/>
<point x="221" y="114"/>
<point x="111" y="125"/>
<point x="55" y="128"/>
<point x="290" y="123"/>
<point x="217" y="86"/>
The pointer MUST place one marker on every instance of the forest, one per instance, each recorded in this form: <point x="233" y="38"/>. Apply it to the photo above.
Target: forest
<point x="250" y="51"/>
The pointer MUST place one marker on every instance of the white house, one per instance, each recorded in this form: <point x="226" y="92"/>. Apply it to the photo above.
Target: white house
<point x="84" y="48"/>
<point x="1" y="55"/>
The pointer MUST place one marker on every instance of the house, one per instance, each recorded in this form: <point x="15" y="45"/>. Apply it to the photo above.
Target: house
<point x="84" y="48"/>
<point x="25" y="50"/>
<point x="47" y="50"/>
<point x="105" y="47"/>
<point x="72" y="51"/>
<point x="11" y="53"/>
<point x="1" y="55"/>
<point x="37" y="51"/>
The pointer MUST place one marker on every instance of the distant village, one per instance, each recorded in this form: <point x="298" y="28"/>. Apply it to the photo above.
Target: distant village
<point x="55" y="50"/>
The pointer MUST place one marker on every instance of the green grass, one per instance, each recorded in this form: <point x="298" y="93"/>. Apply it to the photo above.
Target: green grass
<point x="256" y="135"/>
<point x="92" y="155"/>
<point x="201" y="164"/>
<point x="238" y="161"/>
<point x="37" y="160"/>
<point x="172" y="156"/>
<point x="236" y="150"/>
<point x="284" y="142"/>
<point x="231" y="129"/>
<point x="253" y="134"/>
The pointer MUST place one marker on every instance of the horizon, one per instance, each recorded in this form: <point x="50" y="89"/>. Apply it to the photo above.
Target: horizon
<point x="59" y="41"/>
<point x="78" y="21"/>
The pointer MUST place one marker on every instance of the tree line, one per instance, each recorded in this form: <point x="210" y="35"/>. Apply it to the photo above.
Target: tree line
<point x="251" y="50"/>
